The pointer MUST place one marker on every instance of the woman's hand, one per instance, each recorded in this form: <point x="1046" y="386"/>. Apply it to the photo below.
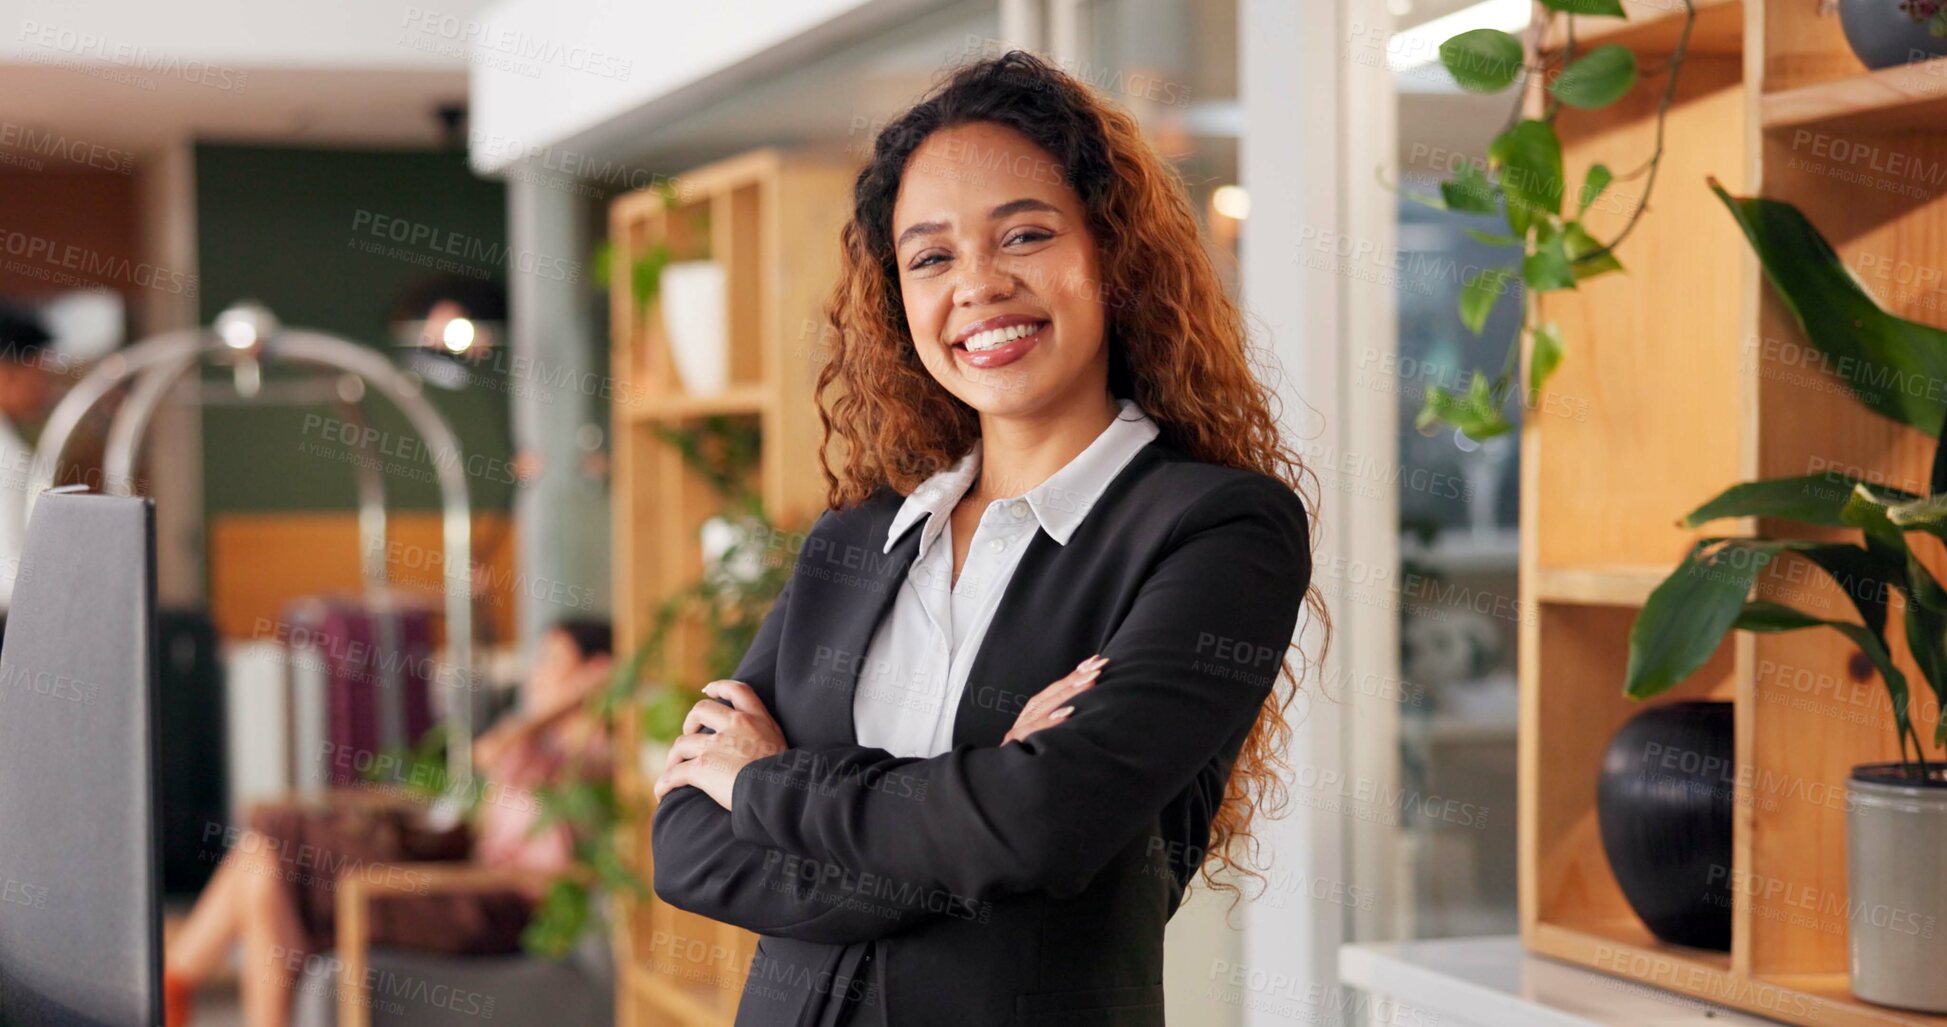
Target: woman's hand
<point x="1050" y="706"/>
<point x="744" y="731"/>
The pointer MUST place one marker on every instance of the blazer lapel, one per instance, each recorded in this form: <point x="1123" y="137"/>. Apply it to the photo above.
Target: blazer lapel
<point x="858" y="584"/>
<point x="1038" y="633"/>
<point x="998" y="683"/>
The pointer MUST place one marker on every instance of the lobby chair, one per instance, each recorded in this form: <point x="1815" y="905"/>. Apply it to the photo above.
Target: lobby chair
<point x="365" y="986"/>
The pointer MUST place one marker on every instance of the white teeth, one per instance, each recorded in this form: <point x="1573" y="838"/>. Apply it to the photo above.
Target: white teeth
<point x="994" y="337"/>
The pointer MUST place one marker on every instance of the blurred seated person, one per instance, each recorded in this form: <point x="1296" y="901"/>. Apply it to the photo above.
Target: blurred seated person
<point x="274" y="893"/>
<point x="27" y="394"/>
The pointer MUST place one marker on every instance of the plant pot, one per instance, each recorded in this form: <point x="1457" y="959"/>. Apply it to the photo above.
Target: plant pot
<point x="694" y="313"/>
<point x="1881" y="35"/>
<point x="730" y="551"/>
<point x="651" y="757"/>
<point x="1896" y="887"/>
<point x="1664" y="805"/>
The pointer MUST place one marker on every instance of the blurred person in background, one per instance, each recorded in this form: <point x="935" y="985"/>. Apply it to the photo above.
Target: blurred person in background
<point x="27" y="393"/>
<point x="274" y="893"/>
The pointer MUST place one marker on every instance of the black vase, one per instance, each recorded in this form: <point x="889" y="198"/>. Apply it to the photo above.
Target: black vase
<point x="1664" y="804"/>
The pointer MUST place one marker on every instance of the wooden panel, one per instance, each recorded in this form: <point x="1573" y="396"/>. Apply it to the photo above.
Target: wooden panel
<point x="1577" y="691"/>
<point x="1803" y="44"/>
<point x="739" y="247"/>
<point x="1815" y="712"/>
<point x="1697" y="379"/>
<point x="1597" y="586"/>
<point x="1911" y="96"/>
<point x="1652" y="28"/>
<point x="260" y="562"/>
<point x="774" y="222"/>
<point x="1643" y="420"/>
<point x="1816" y="999"/>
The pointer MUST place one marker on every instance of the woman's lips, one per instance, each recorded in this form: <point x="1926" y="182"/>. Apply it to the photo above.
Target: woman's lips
<point x="1003" y="354"/>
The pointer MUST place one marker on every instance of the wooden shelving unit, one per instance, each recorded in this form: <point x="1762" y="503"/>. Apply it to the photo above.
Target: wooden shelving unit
<point x="772" y="219"/>
<point x="1909" y="97"/>
<point x="1683" y="376"/>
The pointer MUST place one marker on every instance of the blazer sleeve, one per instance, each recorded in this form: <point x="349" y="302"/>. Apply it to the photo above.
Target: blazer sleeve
<point x="1190" y="666"/>
<point x="700" y="865"/>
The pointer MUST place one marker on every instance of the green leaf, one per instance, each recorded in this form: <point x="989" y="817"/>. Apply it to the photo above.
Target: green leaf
<point x="558" y="920"/>
<point x="1928" y="515"/>
<point x="1470" y="192"/>
<point x="1547" y="268"/>
<point x="1926" y="636"/>
<point x="1771" y="617"/>
<point x="1685" y="618"/>
<point x="1544" y="357"/>
<point x="1925" y="619"/>
<point x="1760" y="615"/>
<point x="1479" y="294"/>
<point x="1596" y="79"/>
<point x="1528" y="160"/>
<point x="1867" y="578"/>
<point x="1474" y="412"/>
<point x="1491" y="238"/>
<point x="1605" y="8"/>
<point x="1587" y="257"/>
<point x="1809" y="499"/>
<point x="1894" y="366"/>
<point x="1593" y="184"/>
<point x="1867" y="510"/>
<point x="1482" y="60"/>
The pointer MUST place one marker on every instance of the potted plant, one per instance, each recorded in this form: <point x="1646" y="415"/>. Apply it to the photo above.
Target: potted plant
<point x="1884" y="33"/>
<point x="1523" y="185"/>
<point x="1896" y="812"/>
<point x="729" y="600"/>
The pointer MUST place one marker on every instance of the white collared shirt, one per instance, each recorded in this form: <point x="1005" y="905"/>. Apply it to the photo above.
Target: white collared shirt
<point x="917" y="663"/>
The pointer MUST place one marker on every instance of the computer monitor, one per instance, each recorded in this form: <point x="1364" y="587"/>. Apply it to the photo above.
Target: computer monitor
<point x="80" y="923"/>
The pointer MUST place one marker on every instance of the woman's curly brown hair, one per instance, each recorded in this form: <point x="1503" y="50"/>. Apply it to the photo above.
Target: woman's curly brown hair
<point x="1177" y="344"/>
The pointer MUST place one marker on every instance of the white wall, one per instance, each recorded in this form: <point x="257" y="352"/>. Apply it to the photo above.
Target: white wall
<point x="1318" y="128"/>
<point x="236" y="33"/>
<point x="646" y="55"/>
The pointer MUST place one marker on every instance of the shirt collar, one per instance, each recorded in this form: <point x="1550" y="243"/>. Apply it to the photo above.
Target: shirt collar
<point x="1059" y="503"/>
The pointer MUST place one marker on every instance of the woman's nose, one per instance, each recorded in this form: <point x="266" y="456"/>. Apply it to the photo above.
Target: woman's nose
<point x="983" y="282"/>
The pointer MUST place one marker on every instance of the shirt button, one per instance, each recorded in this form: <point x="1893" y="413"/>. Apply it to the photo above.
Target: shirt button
<point x="1019" y="510"/>
<point x="997" y="544"/>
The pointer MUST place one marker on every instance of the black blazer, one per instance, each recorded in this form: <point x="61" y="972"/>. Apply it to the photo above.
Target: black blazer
<point x="1027" y="884"/>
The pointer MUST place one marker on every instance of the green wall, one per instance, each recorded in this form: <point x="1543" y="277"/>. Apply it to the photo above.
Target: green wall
<point x="329" y="239"/>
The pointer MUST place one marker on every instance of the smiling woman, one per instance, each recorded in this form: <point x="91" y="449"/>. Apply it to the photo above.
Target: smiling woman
<point x="1025" y="682"/>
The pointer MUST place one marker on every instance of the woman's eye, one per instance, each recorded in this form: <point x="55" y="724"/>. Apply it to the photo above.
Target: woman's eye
<point x="1030" y="235"/>
<point x="924" y="260"/>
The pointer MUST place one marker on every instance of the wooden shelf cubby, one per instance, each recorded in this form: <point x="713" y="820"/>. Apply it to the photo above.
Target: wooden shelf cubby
<point x="1683" y="376"/>
<point x="772" y="219"/>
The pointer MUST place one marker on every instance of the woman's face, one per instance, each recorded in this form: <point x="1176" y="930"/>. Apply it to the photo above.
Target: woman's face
<point x="999" y="273"/>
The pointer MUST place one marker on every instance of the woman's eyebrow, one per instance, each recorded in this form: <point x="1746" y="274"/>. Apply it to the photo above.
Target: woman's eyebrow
<point x="1011" y="207"/>
<point x="923" y="228"/>
<point x="1025" y="203"/>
